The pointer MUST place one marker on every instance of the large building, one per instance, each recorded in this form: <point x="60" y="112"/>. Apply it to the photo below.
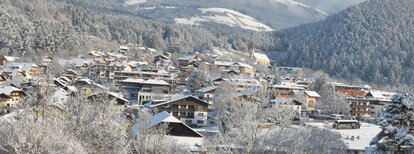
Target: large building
<point x="241" y="68"/>
<point x="10" y="96"/>
<point x="141" y="90"/>
<point x="188" y="109"/>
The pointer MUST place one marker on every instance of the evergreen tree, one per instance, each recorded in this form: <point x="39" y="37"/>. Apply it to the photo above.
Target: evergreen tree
<point x="397" y="126"/>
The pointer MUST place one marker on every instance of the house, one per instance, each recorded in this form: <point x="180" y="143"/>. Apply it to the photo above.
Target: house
<point x="379" y="100"/>
<point x="283" y="103"/>
<point x="179" y="132"/>
<point x="292" y="71"/>
<point x="77" y="63"/>
<point x="245" y="83"/>
<point x="242" y="68"/>
<point x="310" y="99"/>
<point x="10" y="96"/>
<point x="71" y="74"/>
<point x="123" y="49"/>
<point x="189" y="109"/>
<point x="350" y="90"/>
<point x="47" y="60"/>
<point x="260" y="58"/>
<point x="206" y="93"/>
<point x="284" y="91"/>
<point x="119" y="100"/>
<point x="145" y="75"/>
<point x="27" y="70"/>
<point x="7" y="59"/>
<point x="141" y="90"/>
<point x="360" y="107"/>
<point x="88" y="87"/>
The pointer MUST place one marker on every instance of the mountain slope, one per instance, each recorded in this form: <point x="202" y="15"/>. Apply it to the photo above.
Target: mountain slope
<point x="330" y="6"/>
<point x="68" y="27"/>
<point x="278" y="14"/>
<point x="373" y="40"/>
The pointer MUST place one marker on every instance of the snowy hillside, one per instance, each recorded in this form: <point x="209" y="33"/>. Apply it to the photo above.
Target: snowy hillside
<point x="133" y="2"/>
<point x="295" y="3"/>
<point x="225" y="16"/>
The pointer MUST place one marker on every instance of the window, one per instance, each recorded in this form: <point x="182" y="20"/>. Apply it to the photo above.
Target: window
<point x="200" y="121"/>
<point x="191" y="114"/>
<point x="183" y="114"/>
<point x="175" y="106"/>
<point x="191" y="106"/>
<point x="200" y="114"/>
<point x="183" y="106"/>
<point x="189" y="121"/>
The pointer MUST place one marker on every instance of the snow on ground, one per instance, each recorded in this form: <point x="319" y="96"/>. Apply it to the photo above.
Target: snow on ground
<point x="225" y="16"/>
<point x="191" y="21"/>
<point x="365" y="134"/>
<point x="291" y="2"/>
<point x="132" y="2"/>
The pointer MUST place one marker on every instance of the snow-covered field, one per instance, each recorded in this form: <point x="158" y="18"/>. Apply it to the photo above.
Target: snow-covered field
<point x="361" y="137"/>
<point x="132" y="2"/>
<point x="225" y="16"/>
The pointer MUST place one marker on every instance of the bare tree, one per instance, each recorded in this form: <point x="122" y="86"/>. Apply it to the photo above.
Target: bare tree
<point x="332" y="102"/>
<point x="248" y="125"/>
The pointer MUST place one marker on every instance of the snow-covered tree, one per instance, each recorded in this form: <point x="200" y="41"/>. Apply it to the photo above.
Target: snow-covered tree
<point x="397" y="128"/>
<point x="332" y="102"/>
<point x="196" y="80"/>
<point x="249" y="126"/>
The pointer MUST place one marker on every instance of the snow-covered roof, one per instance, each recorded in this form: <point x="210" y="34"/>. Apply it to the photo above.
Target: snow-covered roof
<point x="206" y="89"/>
<point x="88" y="81"/>
<point x="150" y="81"/>
<point x="124" y="48"/>
<point x="137" y="63"/>
<point x="381" y="95"/>
<point x="8" y="89"/>
<point x="157" y="82"/>
<point x="77" y="62"/>
<point x="119" y="96"/>
<point x="10" y="58"/>
<point x="19" y="66"/>
<point x="174" y="99"/>
<point x="261" y="56"/>
<point x="223" y="63"/>
<point x="287" y="87"/>
<point x="131" y="80"/>
<point x="312" y="94"/>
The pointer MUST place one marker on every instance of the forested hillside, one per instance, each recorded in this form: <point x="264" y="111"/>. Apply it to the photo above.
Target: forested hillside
<point x="278" y="14"/>
<point x="373" y="41"/>
<point x="71" y="26"/>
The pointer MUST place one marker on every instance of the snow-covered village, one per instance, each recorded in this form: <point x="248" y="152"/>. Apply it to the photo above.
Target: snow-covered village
<point x="197" y="102"/>
<point x="206" y="76"/>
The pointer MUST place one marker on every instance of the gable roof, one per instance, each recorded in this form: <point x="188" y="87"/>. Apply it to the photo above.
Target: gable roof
<point x="206" y="89"/>
<point x="260" y="56"/>
<point x="312" y="94"/>
<point x="8" y="89"/>
<point x="381" y="95"/>
<point x="165" y="117"/>
<point x="223" y="63"/>
<point x="175" y="99"/>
